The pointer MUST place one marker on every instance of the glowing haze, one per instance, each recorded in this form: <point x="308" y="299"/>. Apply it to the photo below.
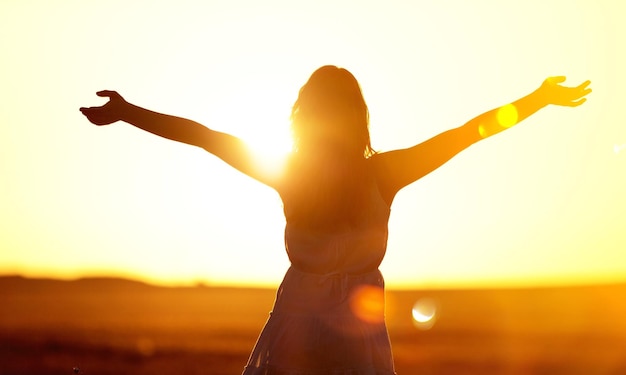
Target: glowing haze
<point x="542" y="203"/>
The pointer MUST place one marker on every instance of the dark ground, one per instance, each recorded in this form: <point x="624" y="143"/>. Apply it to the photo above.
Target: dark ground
<point x="111" y="326"/>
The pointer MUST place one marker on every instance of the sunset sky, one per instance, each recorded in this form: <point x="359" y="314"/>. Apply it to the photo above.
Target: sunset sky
<point x="541" y="204"/>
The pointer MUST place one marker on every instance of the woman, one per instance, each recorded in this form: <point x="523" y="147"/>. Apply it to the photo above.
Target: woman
<point x="336" y="193"/>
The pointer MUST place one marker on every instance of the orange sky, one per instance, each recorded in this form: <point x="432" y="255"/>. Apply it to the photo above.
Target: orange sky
<point x="542" y="203"/>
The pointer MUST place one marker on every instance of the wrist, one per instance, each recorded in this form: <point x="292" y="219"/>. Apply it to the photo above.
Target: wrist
<point x="127" y="111"/>
<point x="539" y="98"/>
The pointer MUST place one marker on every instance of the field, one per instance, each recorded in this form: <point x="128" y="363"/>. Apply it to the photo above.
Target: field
<point x="111" y="326"/>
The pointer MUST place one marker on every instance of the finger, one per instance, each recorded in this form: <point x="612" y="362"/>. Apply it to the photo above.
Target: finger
<point x="583" y="85"/>
<point x="94" y="115"/>
<point x="95" y="119"/>
<point x="576" y="93"/>
<point x="576" y="103"/>
<point x="556" y="79"/>
<point x="108" y="93"/>
<point x="89" y="110"/>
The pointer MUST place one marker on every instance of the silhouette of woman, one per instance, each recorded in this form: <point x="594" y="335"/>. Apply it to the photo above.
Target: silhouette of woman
<point x="337" y="192"/>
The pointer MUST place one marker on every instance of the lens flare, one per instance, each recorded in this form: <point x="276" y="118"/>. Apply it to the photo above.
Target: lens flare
<point x="507" y="115"/>
<point x="424" y="313"/>
<point x="368" y="304"/>
<point x="482" y="131"/>
<point x="618" y="148"/>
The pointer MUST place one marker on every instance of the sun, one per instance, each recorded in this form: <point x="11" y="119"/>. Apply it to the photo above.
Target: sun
<point x="270" y="149"/>
<point x="260" y="116"/>
<point x="270" y="140"/>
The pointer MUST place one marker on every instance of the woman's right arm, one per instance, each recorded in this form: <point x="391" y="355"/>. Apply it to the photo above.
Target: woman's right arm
<point x="229" y="148"/>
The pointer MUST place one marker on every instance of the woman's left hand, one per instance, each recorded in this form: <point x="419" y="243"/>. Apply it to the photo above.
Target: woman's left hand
<point x="552" y="92"/>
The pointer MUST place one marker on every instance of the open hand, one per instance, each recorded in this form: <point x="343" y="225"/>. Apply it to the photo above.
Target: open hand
<point x="108" y="113"/>
<point x="553" y="93"/>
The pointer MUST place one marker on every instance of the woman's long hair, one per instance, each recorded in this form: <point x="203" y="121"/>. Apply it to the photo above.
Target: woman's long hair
<point x="331" y="111"/>
<point x="327" y="170"/>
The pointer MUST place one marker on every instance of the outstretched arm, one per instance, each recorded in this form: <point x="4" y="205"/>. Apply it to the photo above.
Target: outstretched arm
<point x="225" y="146"/>
<point x="396" y="169"/>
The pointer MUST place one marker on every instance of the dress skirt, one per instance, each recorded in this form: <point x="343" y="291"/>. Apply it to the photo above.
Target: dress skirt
<point x="325" y="325"/>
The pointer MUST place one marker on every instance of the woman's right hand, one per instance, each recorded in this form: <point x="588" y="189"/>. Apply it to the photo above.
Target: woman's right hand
<point x="108" y="113"/>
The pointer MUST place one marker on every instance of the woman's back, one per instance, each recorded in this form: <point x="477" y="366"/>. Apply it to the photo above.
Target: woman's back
<point x="317" y="324"/>
<point x="336" y="219"/>
<point x="335" y="249"/>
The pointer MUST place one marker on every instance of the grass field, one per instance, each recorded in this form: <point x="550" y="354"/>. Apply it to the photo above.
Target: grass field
<point x="111" y="326"/>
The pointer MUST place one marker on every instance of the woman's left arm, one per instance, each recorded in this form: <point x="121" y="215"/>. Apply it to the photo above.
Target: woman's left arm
<point x="396" y="169"/>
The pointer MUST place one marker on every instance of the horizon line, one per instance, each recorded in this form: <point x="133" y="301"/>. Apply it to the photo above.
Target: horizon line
<point x="452" y="286"/>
